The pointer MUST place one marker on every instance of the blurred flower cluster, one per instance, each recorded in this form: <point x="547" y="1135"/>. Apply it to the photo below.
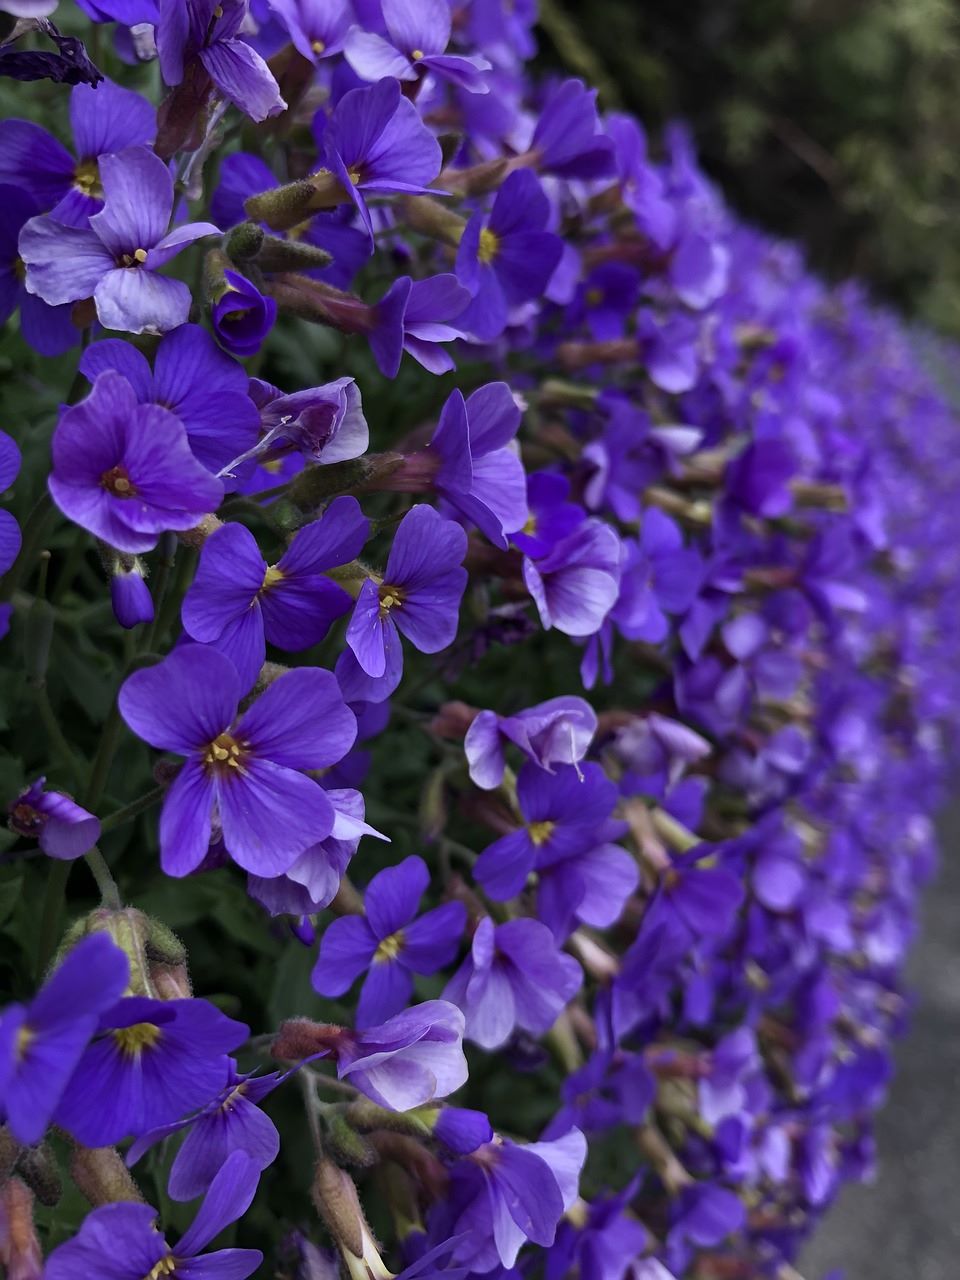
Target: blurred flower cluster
<point x="502" y="611"/>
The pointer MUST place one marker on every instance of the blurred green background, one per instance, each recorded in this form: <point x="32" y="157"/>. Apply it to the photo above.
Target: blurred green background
<point x="834" y="122"/>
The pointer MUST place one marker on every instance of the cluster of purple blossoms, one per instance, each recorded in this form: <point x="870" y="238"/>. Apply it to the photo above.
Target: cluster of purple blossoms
<point x="634" y="651"/>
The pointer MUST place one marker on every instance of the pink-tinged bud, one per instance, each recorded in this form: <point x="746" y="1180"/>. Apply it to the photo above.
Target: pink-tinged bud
<point x="453" y="720"/>
<point x="300" y="1038"/>
<point x="19" y="1246"/>
<point x="574" y="356"/>
<point x="101" y="1175"/>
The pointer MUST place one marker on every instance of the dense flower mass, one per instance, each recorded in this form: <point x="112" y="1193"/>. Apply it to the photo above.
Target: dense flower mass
<point x="486" y="621"/>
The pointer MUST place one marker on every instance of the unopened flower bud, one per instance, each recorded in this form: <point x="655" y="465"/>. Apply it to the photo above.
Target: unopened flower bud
<point x="300" y="1038"/>
<point x="19" y="1247"/>
<point x="129" y="593"/>
<point x="102" y="1177"/>
<point x="431" y="218"/>
<point x="283" y="207"/>
<point x="37" y="1166"/>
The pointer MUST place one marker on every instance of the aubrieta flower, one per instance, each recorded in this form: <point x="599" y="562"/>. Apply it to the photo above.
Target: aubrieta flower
<point x="115" y="259"/>
<point x="513" y="977"/>
<point x="241" y="316"/>
<point x="129" y="594"/>
<point x="565" y="812"/>
<point x="237" y="601"/>
<point x="505" y="1194"/>
<point x="558" y="731"/>
<point x="418" y="32"/>
<point x="325" y="424"/>
<point x="208" y="32"/>
<point x="508" y="257"/>
<point x="69" y="65"/>
<point x="124" y="470"/>
<point x="418" y="595"/>
<point x="122" y="1242"/>
<point x="576" y="584"/>
<point x="247" y="773"/>
<point x="10" y="537"/>
<point x="568" y="141"/>
<point x="48" y="330"/>
<point x="432" y="305"/>
<point x="151" y="1061"/>
<point x="104" y="120"/>
<point x="318" y="28"/>
<point x="376" y="144"/>
<point x="62" y="828"/>
<point x="388" y="942"/>
<point x="191" y="378"/>
<point x="479" y="475"/>
<point x="42" y="1043"/>
<point x="551" y="516"/>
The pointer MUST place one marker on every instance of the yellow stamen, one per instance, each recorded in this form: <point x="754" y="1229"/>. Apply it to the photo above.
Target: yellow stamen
<point x="272" y="576"/>
<point x="86" y="179"/>
<point x="488" y="247"/>
<point x="317" y="46"/>
<point x="25" y="1038"/>
<point x="530" y="528"/>
<point x="140" y="255"/>
<point x="416" y="54"/>
<point x="594" y="297"/>
<point x="390" y="598"/>
<point x="133" y="1040"/>
<point x="165" y="1267"/>
<point x="389" y="948"/>
<point x="117" y="481"/>
<point x="354" y="175"/>
<point x="540" y="832"/>
<point x="224" y="753"/>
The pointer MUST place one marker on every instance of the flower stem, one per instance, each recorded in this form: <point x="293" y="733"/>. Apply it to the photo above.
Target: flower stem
<point x="131" y="810"/>
<point x="105" y="881"/>
<point x="50" y="914"/>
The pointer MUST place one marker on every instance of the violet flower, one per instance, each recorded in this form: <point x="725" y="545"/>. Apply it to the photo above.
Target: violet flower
<point x="69" y="65"/>
<point x="513" y="977"/>
<point x="152" y="1061"/>
<point x="116" y="258"/>
<point x="551" y="517"/>
<point x="63" y="829"/>
<point x="558" y="731"/>
<point x="576" y="584"/>
<point x="208" y="32"/>
<point x="129" y="594"/>
<point x="124" y="470"/>
<point x="104" y="120"/>
<point x="246" y="772"/>
<point x="121" y="1241"/>
<point x="48" y="330"/>
<point x="419" y="593"/>
<point x="388" y="942"/>
<point x="237" y="601"/>
<point x="10" y="537"/>
<point x="42" y="1043"/>
<point x="567" y="140"/>
<point x="318" y="28"/>
<point x="241" y="316"/>
<point x="479" y="474"/>
<point x="418" y="33"/>
<point x="411" y="1059"/>
<point x="325" y="423"/>
<point x="432" y="305"/>
<point x="507" y="258"/>
<point x="376" y="144"/>
<point x="193" y="379"/>
<point x="564" y="812"/>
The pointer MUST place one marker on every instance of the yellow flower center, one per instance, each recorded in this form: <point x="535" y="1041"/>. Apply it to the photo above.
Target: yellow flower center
<point x="390" y="598"/>
<point x="25" y="1038"/>
<point x="135" y="259"/>
<point x="133" y="1040"/>
<point x="86" y="178"/>
<point x="354" y="175"/>
<point x="540" y="832"/>
<point x="165" y="1267"/>
<point x="117" y="481"/>
<point x="530" y="528"/>
<point x="317" y="46"/>
<point x="594" y="297"/>
<point x="488" y="247"/>
<point x="416" y="54"/>
<point x="389" y="948"/>
<point x="272" y="576"/>
<point x="20" y="269"/>
<point x="225" y="753"/>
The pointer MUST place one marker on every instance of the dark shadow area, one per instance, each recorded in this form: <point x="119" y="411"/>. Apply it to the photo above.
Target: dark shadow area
<point x="906" y="1226"/>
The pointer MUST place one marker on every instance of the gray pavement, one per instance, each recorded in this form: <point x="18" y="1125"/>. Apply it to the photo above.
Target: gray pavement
<point x="906" y="1226"/>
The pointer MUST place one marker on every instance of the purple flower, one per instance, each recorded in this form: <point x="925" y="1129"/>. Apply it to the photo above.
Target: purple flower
<point x="604" y="1246"/>
<point x="551" y="518"/>
<point x="590" y="886"/>
<point x="505" y="1194"/>
<point x="695" y="900"/>
<point x="565" y="812"/>
<point x="69" y="65"/>
<point x="575" y="585"/>
<point x="318" y="28"/>
<point x="376" y="144"/>
<point x="325" y="423"/>
<point x="208" y="31"/>
<point x="507" y="258"/>
<point x="419" y="593"/>
<point x="431" y="305"/>
<point x="121" y="1241"/>
<point x="388" y="942"/>
<point x="129" y="593"/>
<point x="116" y="258"/>
<point x="567" y="141"/>
<point x="231" y="1122"/>
<point x="242" y="317"/>
<point x="513" y="977"/>
<point x="238" y="602"/>
<point x="63" y="829"/>
<point x="479" y="474"/>
<point x="49" y="330"/>
<point x="558" y="731"/>
<point x="192" y="378"/>
<point x="606" y="300"/>
<point x="247" y="773"/>
<point x="124" y="470"/>
<point x="658" y="575"/>
<point x="104" y="120"/>
<point x="311" y="883"/>
<point x="41" y="1043"/>
<point x="152" y="1061"/>
<point x="703" y="1216"/>
<point x="411" y="1059"/>
<point x="10" y="538"/>
<point x="419" y="32"/>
